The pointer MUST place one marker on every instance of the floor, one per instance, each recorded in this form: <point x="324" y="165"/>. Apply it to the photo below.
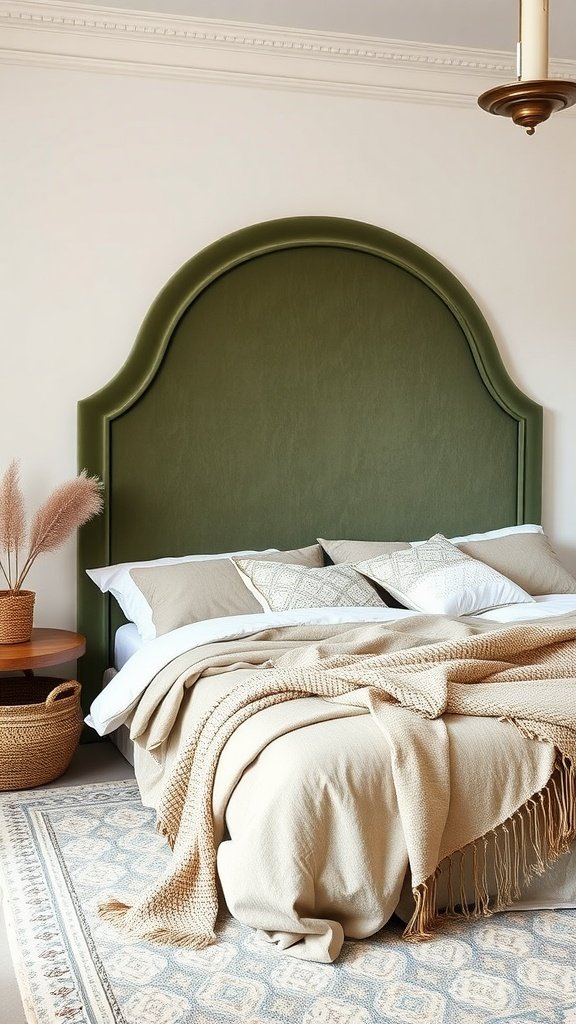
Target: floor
<point x="93" y="762"/>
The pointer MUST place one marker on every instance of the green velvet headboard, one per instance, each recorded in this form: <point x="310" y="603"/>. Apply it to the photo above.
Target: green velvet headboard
<point x="303" y="377"/>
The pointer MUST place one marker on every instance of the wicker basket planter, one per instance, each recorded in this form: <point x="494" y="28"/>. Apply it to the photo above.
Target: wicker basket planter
<point x="16" y="616"/>
<point x="40" y="725"/>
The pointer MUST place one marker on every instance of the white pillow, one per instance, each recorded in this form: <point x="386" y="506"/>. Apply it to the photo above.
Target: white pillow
<point x="116" y="580"/>
<point x="505" y="531"/>
<point x="436" y="577"/>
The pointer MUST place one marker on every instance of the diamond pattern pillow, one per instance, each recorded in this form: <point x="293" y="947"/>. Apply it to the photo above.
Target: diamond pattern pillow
<point x="438" y="578"/>
<point x="279" y="586"/>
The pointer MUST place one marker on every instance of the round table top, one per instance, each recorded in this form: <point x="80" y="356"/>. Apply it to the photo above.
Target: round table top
<point x="46" y="647"/>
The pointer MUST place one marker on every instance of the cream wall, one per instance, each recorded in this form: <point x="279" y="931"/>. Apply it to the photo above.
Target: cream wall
<point x="110" y="182"/>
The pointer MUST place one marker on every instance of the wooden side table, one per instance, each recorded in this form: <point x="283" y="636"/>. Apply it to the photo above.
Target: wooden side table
<point x="46" y="647"/>
<point x="40" y="716"/>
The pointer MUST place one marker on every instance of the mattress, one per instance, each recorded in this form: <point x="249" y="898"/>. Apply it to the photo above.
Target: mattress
<point x="127" y="641"/>
<point x="121" y="740"/>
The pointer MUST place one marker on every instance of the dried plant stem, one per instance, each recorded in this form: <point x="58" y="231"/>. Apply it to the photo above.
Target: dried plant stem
<point x="26" y="568"/>
<point x="68" y="507"/>
<point x="6" y="575"/>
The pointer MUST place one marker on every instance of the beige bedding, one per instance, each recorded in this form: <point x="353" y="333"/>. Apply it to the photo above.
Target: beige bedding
<point x="398" y="759"/>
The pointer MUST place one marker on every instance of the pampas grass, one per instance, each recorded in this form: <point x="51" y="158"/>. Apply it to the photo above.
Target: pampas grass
<point x="68" y="507"/>
<point x="12" y="521"/>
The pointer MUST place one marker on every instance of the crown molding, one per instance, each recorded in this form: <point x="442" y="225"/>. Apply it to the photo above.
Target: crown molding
<point x="75" y="36"/>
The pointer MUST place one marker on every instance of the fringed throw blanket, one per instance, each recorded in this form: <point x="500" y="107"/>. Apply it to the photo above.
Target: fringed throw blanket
<point x="523" y="674"/>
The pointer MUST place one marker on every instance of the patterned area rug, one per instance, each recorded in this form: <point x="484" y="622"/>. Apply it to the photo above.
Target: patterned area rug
<point x="63" y="850"/>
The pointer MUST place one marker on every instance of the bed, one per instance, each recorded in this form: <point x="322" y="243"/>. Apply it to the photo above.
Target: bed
<point x="306" y="378"/>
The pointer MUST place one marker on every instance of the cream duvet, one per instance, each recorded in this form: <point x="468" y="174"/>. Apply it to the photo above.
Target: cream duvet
<point x="311" y="768"/>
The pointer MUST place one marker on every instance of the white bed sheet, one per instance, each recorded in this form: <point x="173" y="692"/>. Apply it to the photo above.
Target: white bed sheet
<point x="540" y="608"/>
<point x="113" y="705"/>
<point x="127" y="639"/>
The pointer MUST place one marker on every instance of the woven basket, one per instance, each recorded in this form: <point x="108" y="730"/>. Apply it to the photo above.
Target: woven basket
<point x="16" y="615"/>
<point x="40" y="725"/>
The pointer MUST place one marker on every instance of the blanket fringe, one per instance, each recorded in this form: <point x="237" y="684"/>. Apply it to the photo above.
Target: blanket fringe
<point x="523" y="846"/>
<point x="167" y="833"/>
<point x="115" y="912"/>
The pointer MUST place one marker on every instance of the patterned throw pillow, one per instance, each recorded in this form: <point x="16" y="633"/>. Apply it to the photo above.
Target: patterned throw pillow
<point x="280" y="587"/>
<point x="438" y="578"/>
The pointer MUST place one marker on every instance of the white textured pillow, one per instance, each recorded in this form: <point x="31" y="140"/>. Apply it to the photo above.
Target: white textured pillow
<point x="279" y="586"/>
<point x="116" y="580"/>
<point x="438" y="578"/>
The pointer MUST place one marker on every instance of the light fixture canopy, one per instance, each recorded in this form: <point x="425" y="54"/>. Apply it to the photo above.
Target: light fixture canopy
<point x="529" y="103"/>
<point x="533" y="97"/>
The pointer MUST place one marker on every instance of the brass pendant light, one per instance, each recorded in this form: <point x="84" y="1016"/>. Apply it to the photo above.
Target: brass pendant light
<point x="533" y="97"/>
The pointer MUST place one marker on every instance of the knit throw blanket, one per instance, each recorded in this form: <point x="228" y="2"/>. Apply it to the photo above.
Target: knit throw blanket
<point x="524" y="674"/>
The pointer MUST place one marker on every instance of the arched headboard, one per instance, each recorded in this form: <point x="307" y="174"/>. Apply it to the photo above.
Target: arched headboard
<point x="303" y="377"/>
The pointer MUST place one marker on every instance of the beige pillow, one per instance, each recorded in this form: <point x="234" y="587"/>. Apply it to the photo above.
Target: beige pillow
<point x="351" y="551"/>
<point x="310" y="556"/>
<point x="526" y="558"/>
<point x="436" y="577"/>
<point x="194" y="591"/>
<point x="358" y="550"/>
<point x="281" y="587"/>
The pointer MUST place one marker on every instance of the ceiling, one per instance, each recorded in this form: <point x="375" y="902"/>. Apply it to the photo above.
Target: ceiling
<point x="479" y="24"/>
